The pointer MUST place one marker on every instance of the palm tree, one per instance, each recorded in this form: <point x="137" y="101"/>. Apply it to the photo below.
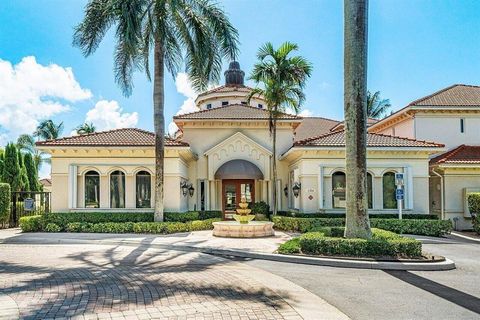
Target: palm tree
<point x="195" y="33"/>
<point x="376" y="106"/>
<point x="283" y="79"/>
<point x="26" y="144"/>
<point x="86" y="128"/>
<point x="357" y="224"/>
<point x="47" y="130"/>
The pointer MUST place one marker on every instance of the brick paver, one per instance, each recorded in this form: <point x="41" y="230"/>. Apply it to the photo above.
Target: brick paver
<point x="106" y="282"/>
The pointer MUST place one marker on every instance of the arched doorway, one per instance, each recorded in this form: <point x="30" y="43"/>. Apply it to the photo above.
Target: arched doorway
<point x="238" y="180"/>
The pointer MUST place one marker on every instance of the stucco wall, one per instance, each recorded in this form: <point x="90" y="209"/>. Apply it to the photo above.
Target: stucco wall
<point x="309" y="168"/>
<point x="403" y="129"/>
<point x="445" y="128"/>
<point x="106" y="161"/>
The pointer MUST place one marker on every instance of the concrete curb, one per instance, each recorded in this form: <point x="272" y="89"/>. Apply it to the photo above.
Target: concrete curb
<point x="456" y="234"/>
<point x="319" y="261"/>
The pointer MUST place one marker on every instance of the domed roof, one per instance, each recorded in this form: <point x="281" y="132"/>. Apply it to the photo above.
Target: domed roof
<point x="234" y="76"/>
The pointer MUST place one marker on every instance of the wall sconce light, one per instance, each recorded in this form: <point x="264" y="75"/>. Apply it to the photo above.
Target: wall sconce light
<point x="184" y="187"/>
<point x="191" y="190"/>
<point x="285" y="191"/>
<point x="296" y="189"/>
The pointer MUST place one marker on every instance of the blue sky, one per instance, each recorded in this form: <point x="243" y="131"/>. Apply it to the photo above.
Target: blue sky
<point x="415" y="48"/>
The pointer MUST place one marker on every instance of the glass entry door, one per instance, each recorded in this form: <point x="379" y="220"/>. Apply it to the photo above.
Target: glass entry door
<point x="232" y="193"/>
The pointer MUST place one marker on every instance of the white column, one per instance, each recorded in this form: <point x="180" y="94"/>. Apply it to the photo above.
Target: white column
<point x="72" y="186"/>
<point x="264" y="191"/>
<point x="279" y="194"/>
<point x="409" y="187"/>
<point x="320" y="187"/>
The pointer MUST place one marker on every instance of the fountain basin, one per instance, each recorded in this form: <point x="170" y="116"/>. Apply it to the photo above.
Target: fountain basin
<point x="234" y="229"/>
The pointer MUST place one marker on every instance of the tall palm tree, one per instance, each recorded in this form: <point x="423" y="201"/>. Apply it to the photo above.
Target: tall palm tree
<point x="376" y="106"/>
<point x="26" y="144"/>
<point x="357" y="224"/>
<point x="86" y="128"/>
<point x="283" y="79"/>
<point x="47" y="129"/>
<point x="195" y="33"/>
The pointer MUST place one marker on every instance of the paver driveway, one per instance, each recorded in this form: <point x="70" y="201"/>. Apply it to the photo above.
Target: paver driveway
<point x="97" y="281"/>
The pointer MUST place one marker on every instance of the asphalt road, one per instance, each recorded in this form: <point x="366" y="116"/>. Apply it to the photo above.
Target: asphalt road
<point x="376" y="294"/>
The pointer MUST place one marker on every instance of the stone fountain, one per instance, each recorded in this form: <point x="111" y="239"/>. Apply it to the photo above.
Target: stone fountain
<point x="243" y="226"/>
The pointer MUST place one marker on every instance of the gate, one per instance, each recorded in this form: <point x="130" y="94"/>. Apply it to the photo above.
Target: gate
<point x="26" y="203"/>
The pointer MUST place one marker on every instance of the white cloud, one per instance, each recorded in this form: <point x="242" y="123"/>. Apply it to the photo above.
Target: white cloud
<point x="184" y="86"/>
<point x="107" y="115"/>
<point x="306" y="113"/>
<point x="30" y="92"/>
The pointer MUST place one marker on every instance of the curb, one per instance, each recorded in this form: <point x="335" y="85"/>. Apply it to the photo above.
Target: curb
<point x="464" y="236"/>
<point x="329" y="262"/>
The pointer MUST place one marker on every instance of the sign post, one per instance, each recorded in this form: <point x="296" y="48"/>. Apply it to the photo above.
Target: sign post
<point x="399" y="193"/>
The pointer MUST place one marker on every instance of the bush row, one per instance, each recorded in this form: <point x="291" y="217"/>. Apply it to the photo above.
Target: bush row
<point x="435" y="228"/>
<point x="342" y="215"/>
<point x="328" y="241"/>
<point x="62" y="219"/>
<point x="5" y="199"/>
<point x="39" y="223"/>
<point x="476" y="224"/>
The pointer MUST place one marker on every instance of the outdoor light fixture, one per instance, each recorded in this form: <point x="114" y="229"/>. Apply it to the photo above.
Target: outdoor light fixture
<point x="191" y="190"/>
<point x="184" y="187"/>
<point x="285" y="191"/>
<point x="296" y="189"/>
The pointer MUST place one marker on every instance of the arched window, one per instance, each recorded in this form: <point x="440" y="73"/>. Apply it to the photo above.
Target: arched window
<point x="369" y="191"/>
<point x="117" y="189"/>
<point x="92" y="189"/>
<point x="338" y="189"/>
<point x="144" y="189"/>
<point x="389" y="200"/>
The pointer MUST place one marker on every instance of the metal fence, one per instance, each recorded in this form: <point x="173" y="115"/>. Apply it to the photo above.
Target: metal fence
<point x="27" y="203"/>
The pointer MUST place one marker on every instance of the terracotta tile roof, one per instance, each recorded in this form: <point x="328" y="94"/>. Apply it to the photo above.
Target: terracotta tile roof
<point x="313" y="127"/>
<point x="46" y="182"/>
<point x="126" y="137"/>
<point x="459" y="95"/>
<point x="337" y="139"/>
<point x="226" y="88"/>
<point x="233" y="111"/>
<point x="341" y="125"/>
<point x="460" y="155"/>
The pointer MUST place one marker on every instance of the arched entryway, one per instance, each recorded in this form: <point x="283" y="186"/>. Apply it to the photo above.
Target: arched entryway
<point x="238" y="180"/>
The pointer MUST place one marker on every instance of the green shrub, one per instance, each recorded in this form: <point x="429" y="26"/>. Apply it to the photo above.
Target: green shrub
<point x="434" y="228"/>
<point x="383" y="243"/>
<point x="52" y="227"/>
<point x="5" y="199"/>
<point x="372" y="216"/>
<point x="426" y="227"/>
<point x="181" y="216"/>
<point x="474" y="203"/>
<point x="205" y="215"/>
<point x="141" y="227"/>
<point x="292" y="246"/>
<point x="476" y="224"/>
<point x="260" y="208"/>
<point x="31" y="223"/>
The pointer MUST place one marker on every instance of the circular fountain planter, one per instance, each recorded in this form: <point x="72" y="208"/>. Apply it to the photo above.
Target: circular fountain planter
<point x="234" y="229"/>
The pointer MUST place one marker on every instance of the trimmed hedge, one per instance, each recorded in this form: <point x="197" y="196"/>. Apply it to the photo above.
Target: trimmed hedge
<point x="5" y="199"/>
<point x="328" y="241"/>
<point x="41" y="223"/>
<point x="476" y="224"/>
<point x="62" y="219"/>
<point x="435" y="228"/>
<point x="372" y="216"/>
<point x="474" y="203"/>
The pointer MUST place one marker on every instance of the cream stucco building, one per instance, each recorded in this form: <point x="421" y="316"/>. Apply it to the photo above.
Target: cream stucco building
<point x="223" y="152"/>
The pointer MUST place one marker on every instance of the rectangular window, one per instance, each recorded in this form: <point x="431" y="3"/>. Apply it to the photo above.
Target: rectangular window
<point x="202" y="195"/>
<point x="224" y="103"/>
<point x="462" y="125"/>
<point x="260" y="106"/>
<point x="209" y="106"/>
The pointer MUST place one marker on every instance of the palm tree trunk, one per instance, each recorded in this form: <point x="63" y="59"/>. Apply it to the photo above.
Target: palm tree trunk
<point x="274" y="167"/>
<point x="357" y="224"/>
<point x="159" y="127"/>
